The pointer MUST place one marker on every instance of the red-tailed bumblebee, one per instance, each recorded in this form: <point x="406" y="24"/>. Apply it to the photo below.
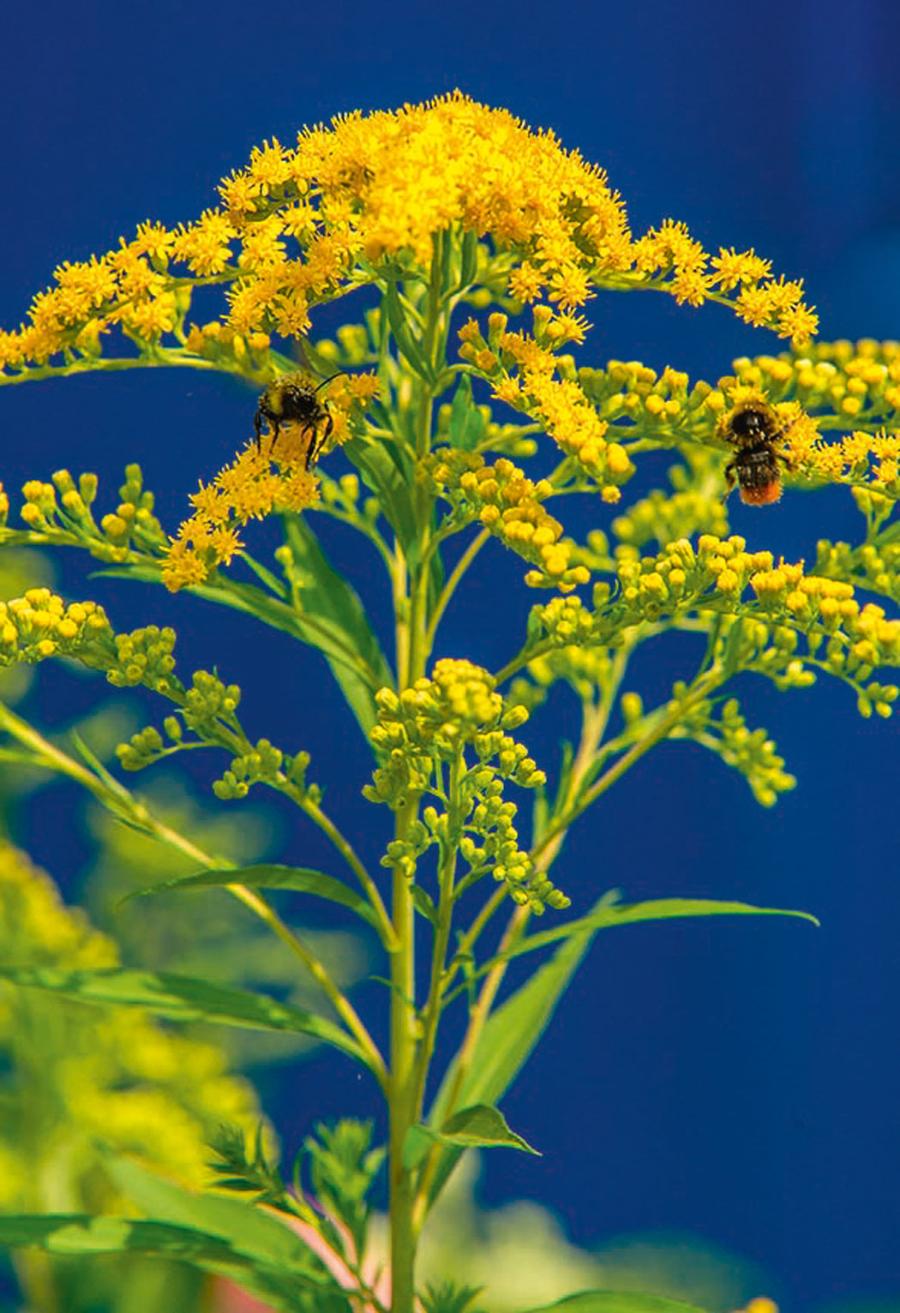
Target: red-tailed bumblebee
<point x="293" y="399"/>
<point x="753" y="429"/>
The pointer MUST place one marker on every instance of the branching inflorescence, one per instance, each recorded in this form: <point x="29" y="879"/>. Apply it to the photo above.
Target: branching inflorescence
<point x="465" y="418"/>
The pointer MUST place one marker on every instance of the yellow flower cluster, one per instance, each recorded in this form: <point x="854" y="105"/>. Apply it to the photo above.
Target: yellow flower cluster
<point x="40" y="625"/>
<point x="855" y="380"/>
<point x="709" y="581"/>
<point x="429" y="727"/>
<point x="874" y="566"/>
<point x="108" y="1075"/>
<point x="635" y="395"/>
<point x="637" y="403"/>
<point x="246" y="489"/>
<point x="301" y="224"/>
<point x="848" y="383"/>
<point x="858" y="457"/>
<point x="509" y="506"/>
<point x="749" y="751"/>
<point x="521" y="369"/>
<point x="438" y="718"/>
<point x="669" y="253"/>
<point x="249" y="488"/>
<point x="61" y="513"/>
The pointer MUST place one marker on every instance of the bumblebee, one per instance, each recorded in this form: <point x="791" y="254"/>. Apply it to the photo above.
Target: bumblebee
<point x="293" y="399"/>
<point x="753" y="428"/>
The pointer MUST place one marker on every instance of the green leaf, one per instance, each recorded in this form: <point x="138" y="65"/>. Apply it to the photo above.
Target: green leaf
<point x="406" y="342"/>
<point x="483" y="1125"/>
<point x="331" y="604"/>
<point x="254" y="1231"/>
<point x="424" y="903"/>
<point x="74" y="1234"/>
<point x="250" y="600"/>
<point x="507" y="1040"/>
<point x="477" y="1127"/>
<point x="387" y="474"/>
<point x="512" y="1032"/>
<point x="298" y="879"/>
<point x="181" y="998"/>
<point x="466" y="421"/>
<point x="469" y="266"/>
<point x="617" y="1301"/>
<point x="655" y="909"/>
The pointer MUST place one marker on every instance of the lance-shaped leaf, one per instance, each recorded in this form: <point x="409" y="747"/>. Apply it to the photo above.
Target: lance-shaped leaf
<point x="654" y="909"/>
<point x="467" y="425"/>
<point x="182" y="998"/>
<point x="478" y="1127"/>
<point x="297" y="879"/>
<point x="254" y="1231"/>
<point x="330" y="605"/>
<point x="387" y="471"/>
<point x="74" y="1234"/>
<point x="616" y="1301"/>
<point x="512" y="1032"/>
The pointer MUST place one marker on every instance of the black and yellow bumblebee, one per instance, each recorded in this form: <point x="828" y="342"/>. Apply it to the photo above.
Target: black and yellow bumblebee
<point x="293" y="399"/>
<point x="753" y="428"/>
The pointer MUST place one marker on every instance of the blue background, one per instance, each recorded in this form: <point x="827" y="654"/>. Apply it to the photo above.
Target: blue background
<point x="738" y="1080"/>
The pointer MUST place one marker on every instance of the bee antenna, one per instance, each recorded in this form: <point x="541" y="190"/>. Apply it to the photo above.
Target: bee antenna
<point x="329" y="379"/>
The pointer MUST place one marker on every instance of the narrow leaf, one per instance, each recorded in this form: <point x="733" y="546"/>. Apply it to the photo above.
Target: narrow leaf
<point x="424" y="903"/>
<point x="181" y="998"/>
<point x="655" y="909"/>
<point x="254" y="1231"/>
<point x="74" y="1234"/>
<point x="298" y="879"/>
<point x="507" y="1040"/>
<point x="466" y="420"/>
<point x="616" y="1301"/>
<point x="383" y="472"/>
<point x="329" y="600"/>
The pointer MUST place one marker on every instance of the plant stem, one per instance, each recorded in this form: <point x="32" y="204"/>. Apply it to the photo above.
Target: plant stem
<point x="446" y="875"/>
<point x="703" y="687"/>
<point x="402" y="1087"/>
<point x="477" y="1019"/>
<point x="452" y="583"/>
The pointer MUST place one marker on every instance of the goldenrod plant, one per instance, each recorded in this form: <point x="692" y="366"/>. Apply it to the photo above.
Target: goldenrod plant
<point x="447" y="412"/>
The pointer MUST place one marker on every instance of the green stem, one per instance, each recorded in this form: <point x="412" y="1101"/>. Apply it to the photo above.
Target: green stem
<point x="477" y="1020"/>
<point x="452" y="583"/>
<point x="446" y="877"/>
<point x="402" y="1088"/>
<point x="411" y="619"/>
<point x="702" y="688"/>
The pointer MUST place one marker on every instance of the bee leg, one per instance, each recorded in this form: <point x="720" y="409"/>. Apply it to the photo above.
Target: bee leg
<point x="309" y="432"/>
<point x="276" y="429"/>
<point x="730" y="478"/>
<point x="317" y="442"/>
<point x="257" y="424"/>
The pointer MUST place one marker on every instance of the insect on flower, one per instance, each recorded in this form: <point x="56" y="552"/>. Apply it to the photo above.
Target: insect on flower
<point x="753" y="429"/>
<point x="293" y="399"/>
